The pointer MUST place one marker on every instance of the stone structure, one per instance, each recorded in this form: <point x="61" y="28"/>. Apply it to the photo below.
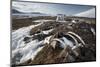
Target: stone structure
<point x="60" y="18"/>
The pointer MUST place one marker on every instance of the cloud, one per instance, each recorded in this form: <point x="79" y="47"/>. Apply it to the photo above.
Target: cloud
<point x="24" y="6"/>
<point x="89" y="13"/>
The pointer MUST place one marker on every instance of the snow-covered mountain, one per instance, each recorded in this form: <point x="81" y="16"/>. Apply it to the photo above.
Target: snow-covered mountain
<point x="89" y="13"/>
<point x="15" y="11"/>
<point x="21" y="15"/>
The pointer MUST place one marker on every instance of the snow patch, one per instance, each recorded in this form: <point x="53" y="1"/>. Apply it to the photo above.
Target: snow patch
<point x="42" y="20"/>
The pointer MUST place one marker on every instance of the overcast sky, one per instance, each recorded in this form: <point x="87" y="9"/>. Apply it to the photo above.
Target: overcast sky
<point x="50" y="8"/>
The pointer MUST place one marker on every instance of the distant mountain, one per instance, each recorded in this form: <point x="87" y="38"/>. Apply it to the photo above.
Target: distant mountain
<point x="31" y="14"/>
<point x="35" y="13"/>
<point x="15" y="11"/>
<point x="89" y="13"/>
<point x="18" y="12"/>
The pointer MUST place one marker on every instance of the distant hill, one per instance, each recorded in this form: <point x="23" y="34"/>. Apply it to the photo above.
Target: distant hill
<point x="15" y="11"/>
<point x="35" y="13"/>
<point x="27" y="14"/>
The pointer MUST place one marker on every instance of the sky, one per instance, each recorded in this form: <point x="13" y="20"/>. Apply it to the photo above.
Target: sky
<point x="50" y="8"/>
<point x="89" y="13"/>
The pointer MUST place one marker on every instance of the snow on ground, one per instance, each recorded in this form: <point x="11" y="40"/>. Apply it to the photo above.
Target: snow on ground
<point x="30" y="49"/>
<point x="47" y="40"/>
<point x="42" y="20"/>
<point x="48" y="31"/>
<point x="27" y="50"/>
<point x="67" y="42"/>
<point x="93" y="31"/>
<point x="21" y="33"/>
